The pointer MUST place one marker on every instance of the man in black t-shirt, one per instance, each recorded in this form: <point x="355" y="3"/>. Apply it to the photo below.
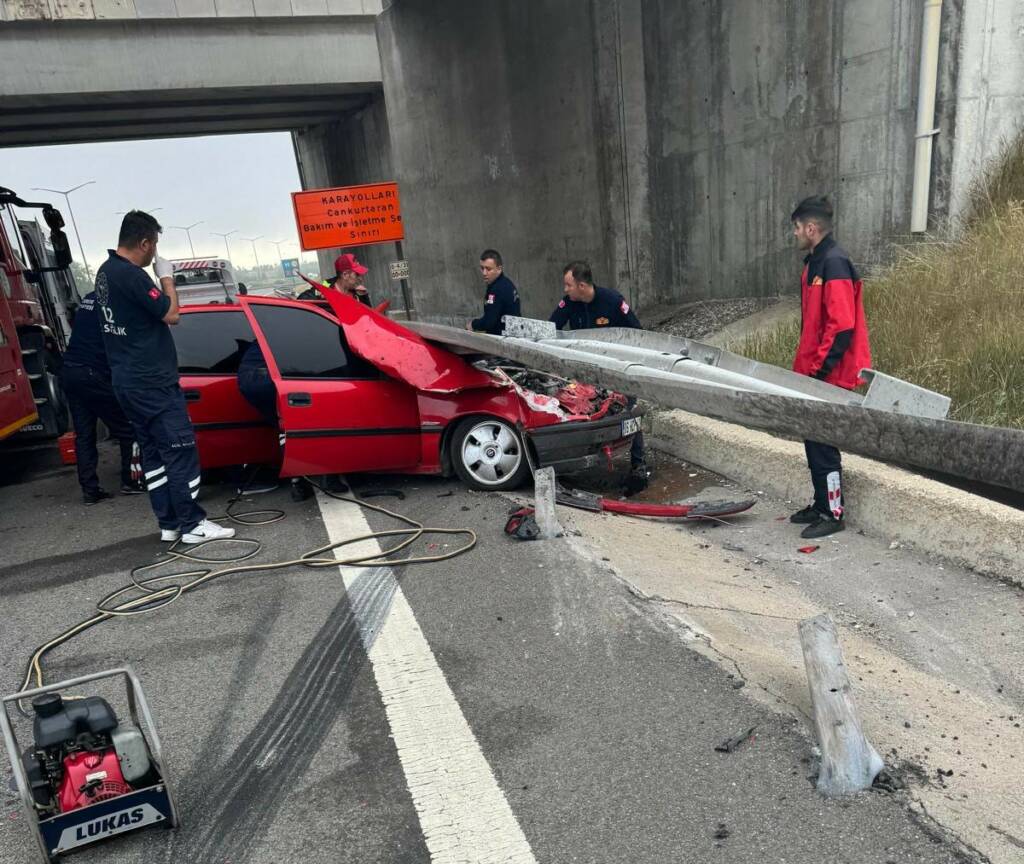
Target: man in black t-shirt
<point x="144" y="370"/>
<point x="85" y="377"/>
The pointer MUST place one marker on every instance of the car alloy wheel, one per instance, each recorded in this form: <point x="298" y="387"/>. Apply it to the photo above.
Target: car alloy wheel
<point x="489" y="455"/>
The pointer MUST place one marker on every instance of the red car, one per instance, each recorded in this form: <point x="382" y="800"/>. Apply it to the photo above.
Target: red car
<point x="359" y="392"/>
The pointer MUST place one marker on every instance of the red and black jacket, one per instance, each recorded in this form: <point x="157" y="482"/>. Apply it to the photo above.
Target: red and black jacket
<point x="833" y="335"/>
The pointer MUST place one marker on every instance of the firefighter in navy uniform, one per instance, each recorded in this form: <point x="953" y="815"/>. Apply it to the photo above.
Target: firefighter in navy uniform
<point x="586" y="306"/>
<point x="833" y="347"/>
<point x="85" y="377"/>
<point x="144" y="369"/>
<point x="500" y="295"/>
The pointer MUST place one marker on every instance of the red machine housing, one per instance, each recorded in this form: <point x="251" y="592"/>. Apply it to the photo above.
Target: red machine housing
<point x="90" y="776"/>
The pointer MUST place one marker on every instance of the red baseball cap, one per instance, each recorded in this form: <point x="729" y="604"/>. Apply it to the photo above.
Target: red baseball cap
<point x="347" y="262"/>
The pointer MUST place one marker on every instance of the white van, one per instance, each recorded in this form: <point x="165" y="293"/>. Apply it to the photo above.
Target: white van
<point x="208" y="280"/>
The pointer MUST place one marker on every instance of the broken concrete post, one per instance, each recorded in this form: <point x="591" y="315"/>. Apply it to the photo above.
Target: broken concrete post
<point x="544" y="488"/>
<point x="848" y="761"/>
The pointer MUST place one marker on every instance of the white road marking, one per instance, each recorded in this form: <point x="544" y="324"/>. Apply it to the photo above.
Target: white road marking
<point x="463" y="813"/>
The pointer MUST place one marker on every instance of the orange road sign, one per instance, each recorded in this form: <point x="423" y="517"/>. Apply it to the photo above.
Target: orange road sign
<point x="348" y="216"/>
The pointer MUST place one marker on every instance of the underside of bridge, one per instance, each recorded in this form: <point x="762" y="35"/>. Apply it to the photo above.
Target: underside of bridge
<point x="315" y="76"/>
<point x="84" y="117"/>
<point x="79" y="81"/>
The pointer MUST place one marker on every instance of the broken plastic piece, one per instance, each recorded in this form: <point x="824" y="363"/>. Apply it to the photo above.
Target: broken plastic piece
<point x="807" y="550"/>
<point x="522" y="525"/>
<point x="734" y="743"/>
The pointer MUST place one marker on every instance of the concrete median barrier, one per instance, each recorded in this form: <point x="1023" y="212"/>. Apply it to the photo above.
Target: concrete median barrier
<point x="881" y="500"/>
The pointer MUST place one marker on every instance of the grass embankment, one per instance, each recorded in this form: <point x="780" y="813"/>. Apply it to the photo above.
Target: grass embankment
<point x="948" y="314"/>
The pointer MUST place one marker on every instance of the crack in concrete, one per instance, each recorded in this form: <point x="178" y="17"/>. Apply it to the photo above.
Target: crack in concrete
<point x="657" y="598"/>
<point x="933" y="827"/>
<point x="1016" y="841"/>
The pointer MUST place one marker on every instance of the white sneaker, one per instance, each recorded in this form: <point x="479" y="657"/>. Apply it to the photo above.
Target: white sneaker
<point x="207" y="530"/>
<point x="169" y="535"/>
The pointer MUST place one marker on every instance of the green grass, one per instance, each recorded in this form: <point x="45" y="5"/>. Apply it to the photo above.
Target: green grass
<point x="949" y="314"/>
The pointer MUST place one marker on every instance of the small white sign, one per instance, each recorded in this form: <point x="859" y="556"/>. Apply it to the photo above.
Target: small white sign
<point x="399" y="270"/>
<point x="107" y="826"/>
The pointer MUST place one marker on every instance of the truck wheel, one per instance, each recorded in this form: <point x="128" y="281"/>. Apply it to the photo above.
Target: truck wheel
<point x="488" y="453"/>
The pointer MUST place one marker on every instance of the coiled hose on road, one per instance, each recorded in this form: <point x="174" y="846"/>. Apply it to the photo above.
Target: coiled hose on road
<point x="154" y="592"/>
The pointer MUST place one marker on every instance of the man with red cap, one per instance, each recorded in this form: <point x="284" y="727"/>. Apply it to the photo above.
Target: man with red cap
<point x="348" y="278"/>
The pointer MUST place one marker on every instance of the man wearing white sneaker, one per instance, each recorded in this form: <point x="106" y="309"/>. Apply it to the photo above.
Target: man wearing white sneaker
<point x="144" y="369"/>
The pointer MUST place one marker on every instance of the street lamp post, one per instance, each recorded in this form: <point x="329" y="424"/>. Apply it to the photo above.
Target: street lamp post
<point x="227" y="248"/>
<point x="188" y="230"/>
<point x="71" y="213"/>
<point x="253" y="240"/>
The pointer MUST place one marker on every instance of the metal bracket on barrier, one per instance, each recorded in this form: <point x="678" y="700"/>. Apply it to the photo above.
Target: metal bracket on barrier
<point x="529" y="328"/>
<point x="886" y="393"/>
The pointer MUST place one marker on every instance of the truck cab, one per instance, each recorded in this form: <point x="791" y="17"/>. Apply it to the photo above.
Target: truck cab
<point x="37" y="297"/>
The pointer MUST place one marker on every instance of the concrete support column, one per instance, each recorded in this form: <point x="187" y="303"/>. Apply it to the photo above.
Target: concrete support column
<point x="622" y="139"/>
<point x="349" y="151"/>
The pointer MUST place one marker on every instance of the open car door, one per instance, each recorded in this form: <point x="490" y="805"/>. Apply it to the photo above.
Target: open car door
<point x="339" y="413"/>
<point x="210" y="343"/>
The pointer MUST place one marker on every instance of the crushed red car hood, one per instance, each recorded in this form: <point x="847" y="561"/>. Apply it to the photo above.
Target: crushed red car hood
<point x="401" y="353"/>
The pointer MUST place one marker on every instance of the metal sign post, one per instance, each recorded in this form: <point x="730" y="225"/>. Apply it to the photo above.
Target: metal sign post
<point x="400" y="272"/>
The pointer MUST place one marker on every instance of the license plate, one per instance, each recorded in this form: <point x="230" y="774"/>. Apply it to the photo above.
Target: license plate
<point x="630" y="426"/>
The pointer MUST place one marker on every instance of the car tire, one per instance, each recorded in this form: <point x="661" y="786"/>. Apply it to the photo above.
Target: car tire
<point x="489" y="454"/>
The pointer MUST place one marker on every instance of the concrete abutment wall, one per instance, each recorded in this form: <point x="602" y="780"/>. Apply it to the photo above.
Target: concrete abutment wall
<point x="668" y="140"/>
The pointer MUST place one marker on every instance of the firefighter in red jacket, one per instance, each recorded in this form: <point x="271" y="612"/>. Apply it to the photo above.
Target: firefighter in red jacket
<point x="833" y="347"/>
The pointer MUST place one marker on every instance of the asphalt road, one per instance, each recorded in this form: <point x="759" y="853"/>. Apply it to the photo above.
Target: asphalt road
<point x="597" y="720"/>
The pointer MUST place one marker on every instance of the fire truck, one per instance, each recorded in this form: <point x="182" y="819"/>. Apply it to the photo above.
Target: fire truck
<point x="37" y="299"/>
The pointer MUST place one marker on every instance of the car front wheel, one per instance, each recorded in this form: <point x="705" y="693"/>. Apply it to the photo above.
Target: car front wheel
<point x="489" y="454"/>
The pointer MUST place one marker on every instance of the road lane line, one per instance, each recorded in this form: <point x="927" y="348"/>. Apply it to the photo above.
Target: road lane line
<point x="463" y="813"/>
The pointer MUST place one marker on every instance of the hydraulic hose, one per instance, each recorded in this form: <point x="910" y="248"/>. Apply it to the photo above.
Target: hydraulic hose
<point x="157" y="592"/>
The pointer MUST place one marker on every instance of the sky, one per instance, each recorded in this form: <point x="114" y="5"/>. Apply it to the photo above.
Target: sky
<point x="226" y="182"/>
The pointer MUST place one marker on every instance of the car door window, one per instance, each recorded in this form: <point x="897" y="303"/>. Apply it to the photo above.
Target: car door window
<point x="211" y="343"/>
<point x="308" y="345"/>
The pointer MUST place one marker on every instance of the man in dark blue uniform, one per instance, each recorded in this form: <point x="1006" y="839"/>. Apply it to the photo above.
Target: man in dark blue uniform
<point x="85" y="377"/>
<point x="500" y="295"/>
<point x="144" y="367"/>
<point x="586" y="306"/>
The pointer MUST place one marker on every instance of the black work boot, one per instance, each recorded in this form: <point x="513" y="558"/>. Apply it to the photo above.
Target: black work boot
<point x="301" y="489"/>
<point x="822" y="527"/>
<point x="638" y="478"/>
<point x="334" y="483"/>
<point x="807" y="516"/>
<point x="94" y="497"/>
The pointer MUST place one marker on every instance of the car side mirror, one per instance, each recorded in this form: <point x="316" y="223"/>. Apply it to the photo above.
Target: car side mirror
<point x="31" y="276"/>
<point x="61" y="248"/>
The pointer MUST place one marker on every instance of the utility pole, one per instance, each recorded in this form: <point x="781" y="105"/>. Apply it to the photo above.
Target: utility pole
<point x="188" y="230"/>
<point x="227" y="248"/>
<point x="71" y="213"/>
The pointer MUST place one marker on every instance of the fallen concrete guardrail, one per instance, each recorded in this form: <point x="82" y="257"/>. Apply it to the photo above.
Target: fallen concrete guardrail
<point x="986" y="454"/>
